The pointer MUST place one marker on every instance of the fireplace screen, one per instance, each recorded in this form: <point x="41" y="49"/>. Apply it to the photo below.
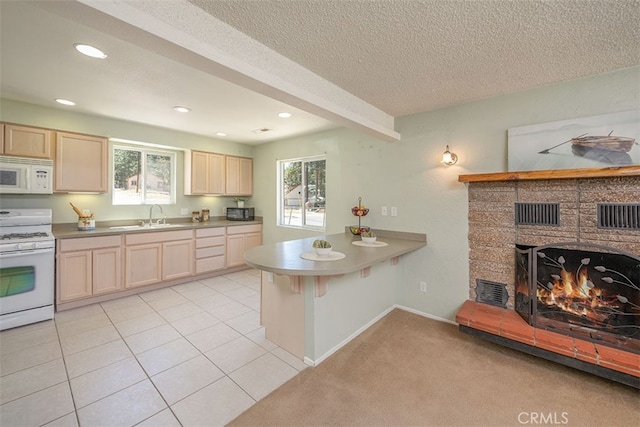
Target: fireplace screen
<point x="588" y="291"/>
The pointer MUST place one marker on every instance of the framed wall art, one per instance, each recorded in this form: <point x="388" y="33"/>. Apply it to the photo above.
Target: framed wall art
<point x="589" y="142"/>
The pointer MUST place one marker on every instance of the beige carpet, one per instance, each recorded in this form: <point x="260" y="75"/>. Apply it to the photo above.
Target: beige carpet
<point x="407" y="370"/>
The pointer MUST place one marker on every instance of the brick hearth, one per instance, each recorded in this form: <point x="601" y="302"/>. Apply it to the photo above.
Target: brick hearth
<point x="509" y="325"/>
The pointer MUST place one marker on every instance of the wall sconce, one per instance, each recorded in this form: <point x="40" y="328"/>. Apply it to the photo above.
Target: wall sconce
<point x="449" y="158"/>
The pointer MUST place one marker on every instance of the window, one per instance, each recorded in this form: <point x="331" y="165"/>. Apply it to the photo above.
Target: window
<point x="143" y="176"/>
<point x="302" y="193"/>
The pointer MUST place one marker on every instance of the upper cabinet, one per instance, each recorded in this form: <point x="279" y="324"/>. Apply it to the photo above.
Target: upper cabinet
<point x="26" y="141"/>
<point x="204" y="173"/>
<point x="239" y="176"/>
<point x="213" y="173"/>
<point x="81" y="163"/>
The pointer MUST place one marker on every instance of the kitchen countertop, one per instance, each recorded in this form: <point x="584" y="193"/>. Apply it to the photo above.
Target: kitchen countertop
<point x="70" y="230"/>
<point x="284" y="257"/>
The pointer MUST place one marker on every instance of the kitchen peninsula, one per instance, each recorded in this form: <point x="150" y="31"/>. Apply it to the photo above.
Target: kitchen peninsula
<point x="312" y="308"/>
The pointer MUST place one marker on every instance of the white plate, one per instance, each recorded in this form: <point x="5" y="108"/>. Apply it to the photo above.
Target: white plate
<point x="375" y="244"/>
<point x="312" y="256"/>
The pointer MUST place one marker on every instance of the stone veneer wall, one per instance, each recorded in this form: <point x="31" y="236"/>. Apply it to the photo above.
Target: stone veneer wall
<point x="493" y="233"/>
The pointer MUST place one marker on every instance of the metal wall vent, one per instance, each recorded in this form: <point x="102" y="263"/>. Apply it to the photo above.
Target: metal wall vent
<point x="620" y="216"/>
<point x="491" y="293"/>
<point x="537" y="214"/>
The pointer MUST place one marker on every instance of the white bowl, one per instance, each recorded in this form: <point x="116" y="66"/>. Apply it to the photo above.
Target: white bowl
<point x="323" y="252"/>
<point x="369" y="240"/>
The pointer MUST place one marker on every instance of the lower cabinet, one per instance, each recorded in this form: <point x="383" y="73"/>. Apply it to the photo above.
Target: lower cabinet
<point x="239" y="239"/>
<point x="88" y="267"/>
<point x="93" y="266"/>
<point x="210" y="249"/>
<point x="142" y="264"/>
<point x="154" y="257"/>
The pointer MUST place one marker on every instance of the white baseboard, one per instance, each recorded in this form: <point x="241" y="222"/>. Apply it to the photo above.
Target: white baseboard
<point x="423" y="314"/>
<point x="311" y="362"/>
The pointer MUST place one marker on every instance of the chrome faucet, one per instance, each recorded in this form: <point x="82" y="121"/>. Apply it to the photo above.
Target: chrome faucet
<point x="151" y="213"/>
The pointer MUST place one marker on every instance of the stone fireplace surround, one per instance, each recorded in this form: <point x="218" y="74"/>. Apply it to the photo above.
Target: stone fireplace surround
<point x="493" y="235"/>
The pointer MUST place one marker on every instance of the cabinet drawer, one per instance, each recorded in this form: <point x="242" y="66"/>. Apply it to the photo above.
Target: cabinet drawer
<point x="210" y="232"/>
<point x="209" y="264"/>
<point x="242" y="229"/>
<point x="85" y="243"/>
<point x="207" y="252"/>
<point x="161" y="236"/>
<point x="210" y="241"/>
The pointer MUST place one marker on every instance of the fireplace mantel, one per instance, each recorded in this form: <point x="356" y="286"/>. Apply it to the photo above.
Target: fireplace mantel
<point x="633" y="170"/>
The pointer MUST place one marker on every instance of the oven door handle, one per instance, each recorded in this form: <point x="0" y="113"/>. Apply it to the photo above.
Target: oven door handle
<point x="26" y="252"/>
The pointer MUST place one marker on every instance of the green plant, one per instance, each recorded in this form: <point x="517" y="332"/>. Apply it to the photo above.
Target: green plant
<point x="368" y="234"/>
<point x="239" y="199"/>
<point x="321" y="244"/>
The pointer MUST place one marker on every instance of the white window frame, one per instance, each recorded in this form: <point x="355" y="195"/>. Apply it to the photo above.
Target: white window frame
<point x="145" y="150"/>
<point x="281" y="211"/>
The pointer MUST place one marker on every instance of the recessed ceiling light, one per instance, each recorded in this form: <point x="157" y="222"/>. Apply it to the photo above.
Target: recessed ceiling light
<point x="180" y="109"/>
<point x="89" y="50"/>
<point x="65" y="101"/>
<point x="284" y="115"/>
<point x="221" y="134"/>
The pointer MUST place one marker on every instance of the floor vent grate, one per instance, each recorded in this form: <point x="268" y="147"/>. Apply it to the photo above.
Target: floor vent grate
<point x="537" y="214"/>
<point x="619" y="216"/>
<point x="491" y="293"/>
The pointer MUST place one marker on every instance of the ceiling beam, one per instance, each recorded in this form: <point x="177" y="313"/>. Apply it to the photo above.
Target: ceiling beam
<point x="183" y="32"/>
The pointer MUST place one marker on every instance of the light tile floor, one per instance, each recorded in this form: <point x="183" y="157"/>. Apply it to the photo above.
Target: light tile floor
<point x="191" y="355"/>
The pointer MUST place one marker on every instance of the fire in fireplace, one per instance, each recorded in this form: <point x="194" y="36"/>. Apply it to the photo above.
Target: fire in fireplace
<point x="583" y="290"/>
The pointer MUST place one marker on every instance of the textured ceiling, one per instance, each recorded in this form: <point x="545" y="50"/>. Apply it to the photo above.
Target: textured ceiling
<point x="361" y="63"/>
<point x="411" y="56"/>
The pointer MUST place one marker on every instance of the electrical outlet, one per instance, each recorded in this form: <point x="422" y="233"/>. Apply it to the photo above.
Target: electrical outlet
<point x="184" y="211"/>
<point x="423" y="286"/>
<point x="394" y="211"/>
<point x="270" y="277"/>
<point x="384" y="211"/>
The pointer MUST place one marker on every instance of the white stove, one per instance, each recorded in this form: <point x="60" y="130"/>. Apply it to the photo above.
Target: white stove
<point x="27" y="251"/>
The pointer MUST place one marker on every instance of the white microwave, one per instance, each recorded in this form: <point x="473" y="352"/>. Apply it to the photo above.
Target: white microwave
<point x="21" y="175"/>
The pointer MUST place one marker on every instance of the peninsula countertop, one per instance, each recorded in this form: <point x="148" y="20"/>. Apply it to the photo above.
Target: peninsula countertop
<point x="284" y="257"/>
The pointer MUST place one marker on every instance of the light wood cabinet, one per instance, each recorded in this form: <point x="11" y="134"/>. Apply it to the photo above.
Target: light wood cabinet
<point x="239" y="176"/>
<point x="154" y="257"/>
<point x="27" y="141"/>
<point x="177" y="259"/>
<point x="204" y="173"/>
<point x="213" y="173"/>
<point x="107" y="270"/>
<point x="239" y="239"/>
<point x="81" y="163"/>
<point x="210" y="249"/>
<point x="143" y="264"/>
<point x="88" y="266"/>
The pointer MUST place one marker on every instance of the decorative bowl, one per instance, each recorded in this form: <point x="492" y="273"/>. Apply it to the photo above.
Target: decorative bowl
<point x="356" y="230"/>
<point x="359" y="211"/>
<point x="323" y="252"/>
<point x="368" y="240"/>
